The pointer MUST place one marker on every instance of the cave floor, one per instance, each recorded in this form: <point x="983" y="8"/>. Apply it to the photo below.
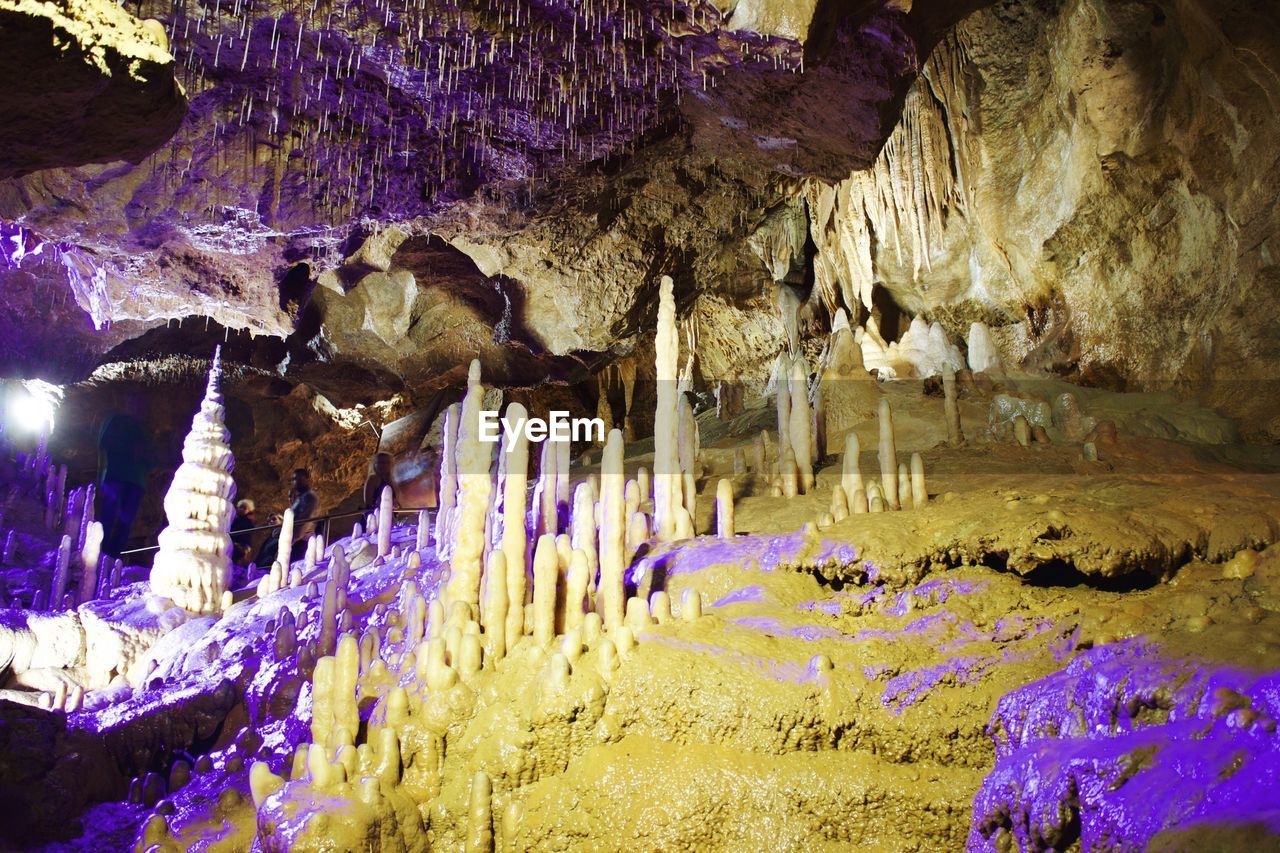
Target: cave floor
<point x="1053" y="653"/>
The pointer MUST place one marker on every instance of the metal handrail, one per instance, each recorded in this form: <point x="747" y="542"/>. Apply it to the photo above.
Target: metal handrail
<point x="297" y="521"/>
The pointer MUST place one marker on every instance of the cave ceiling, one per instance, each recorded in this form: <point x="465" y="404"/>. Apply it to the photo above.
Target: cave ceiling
<point x="563" y="153"/>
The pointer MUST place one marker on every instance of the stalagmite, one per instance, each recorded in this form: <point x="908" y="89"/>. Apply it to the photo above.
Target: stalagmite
<point x="562" y="495"/>
<point x="660" y="607"/>
<point x="546" y="516"/>
<point x="782" y="398"/>
<point x="90" y="558"/>
<point x="667" y="485"/>
<point x="724" y="509"/>
<point x="262" y="782"/>
<point x="546" y="574"/>
<point x="788" y="473"/>
<point x="495" y="610"/>
<point x="385" y="503"/>
<point x="690" y="605"/>
<point x="480" y="815"/>
<point x="904" y="486"/>
<point x="800" y="435"/>
<point x="760" y="455"/>
<point x="839" y="502"/>
<point x="423" y="537"/>
<point x="193" y="564"/>
<point x="612" y="533"/>
<point x="637" y="534"/>
<point x="950" y="408"/>
<point x="919" y="493"/>
<point x="61" y="573"/>
<point x="470" y="654"/>
<point x="684" y="524"/>
<point x="851" y="473"/>
<point x="689" y="441"/>
<point x="448" y="489"/>
<point x="474" y="489"/>
<point x="631" y="500"/>
<point x="983" y="355"/>
<point x="582" y="528"/>
<point x="638" y="617"/>
<point x="576" y="590"/>
<point x="888" y="457"/>
<point x="875" y="498"/>
<point x="286" y="535"/>
<point x="514" y="532"/>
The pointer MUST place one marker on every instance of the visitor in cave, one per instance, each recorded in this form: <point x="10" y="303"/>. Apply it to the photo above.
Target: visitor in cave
<point x="379" y="477"/>
<point x="125" y="459"/>
<point x="241" y="537"/>
<point x="306" y="506"/>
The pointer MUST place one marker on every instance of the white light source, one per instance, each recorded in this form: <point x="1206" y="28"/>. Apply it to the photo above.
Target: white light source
<point x="32" y="405"/>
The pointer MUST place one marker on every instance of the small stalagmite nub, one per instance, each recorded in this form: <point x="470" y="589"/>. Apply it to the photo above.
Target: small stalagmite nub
<point x="386" y="503"/>
<point x="691" y="605"/>
<point x="638" y="616"/>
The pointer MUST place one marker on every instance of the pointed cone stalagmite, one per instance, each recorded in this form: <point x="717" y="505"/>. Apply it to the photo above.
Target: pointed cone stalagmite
<point x="193" y="564"/>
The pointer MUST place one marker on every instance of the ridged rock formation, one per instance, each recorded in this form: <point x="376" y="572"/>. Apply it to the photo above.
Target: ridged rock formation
<point x="193" y="566"/>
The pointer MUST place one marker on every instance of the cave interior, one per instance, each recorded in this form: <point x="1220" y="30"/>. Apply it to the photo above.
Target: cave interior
<point x="639" y="424"/>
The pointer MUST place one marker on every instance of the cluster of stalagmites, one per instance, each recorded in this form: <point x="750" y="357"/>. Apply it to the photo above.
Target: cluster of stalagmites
<point x="536" y="584"/>
<point x="78" y="559"/>
<point x="536" y="580"/>
<point x="429" y="659"/>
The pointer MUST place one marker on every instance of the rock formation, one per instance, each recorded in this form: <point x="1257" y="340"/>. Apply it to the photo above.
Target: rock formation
<point x="193" y="565"/>
<point x="1022" y="250"/>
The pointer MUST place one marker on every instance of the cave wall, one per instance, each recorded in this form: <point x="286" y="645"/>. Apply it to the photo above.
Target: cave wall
<point x="1098" y="182"/>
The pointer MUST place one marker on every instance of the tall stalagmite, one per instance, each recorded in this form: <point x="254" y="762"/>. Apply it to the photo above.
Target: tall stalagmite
<point x="193" y="565"/>
<point x="666" y="461"/>
<point x="474" y="490"/>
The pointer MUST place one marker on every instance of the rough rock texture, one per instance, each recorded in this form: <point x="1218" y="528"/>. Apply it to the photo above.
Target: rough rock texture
<point x="82" y="82"/>
<point x="1098" y="181"/>
<point x="311" y="132"/>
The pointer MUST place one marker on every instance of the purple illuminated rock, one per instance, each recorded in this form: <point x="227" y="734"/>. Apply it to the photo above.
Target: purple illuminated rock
<point x="1127" y="743"/>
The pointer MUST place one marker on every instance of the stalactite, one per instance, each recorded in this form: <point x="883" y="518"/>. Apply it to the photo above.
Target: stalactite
<point x="901" y="203"/>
